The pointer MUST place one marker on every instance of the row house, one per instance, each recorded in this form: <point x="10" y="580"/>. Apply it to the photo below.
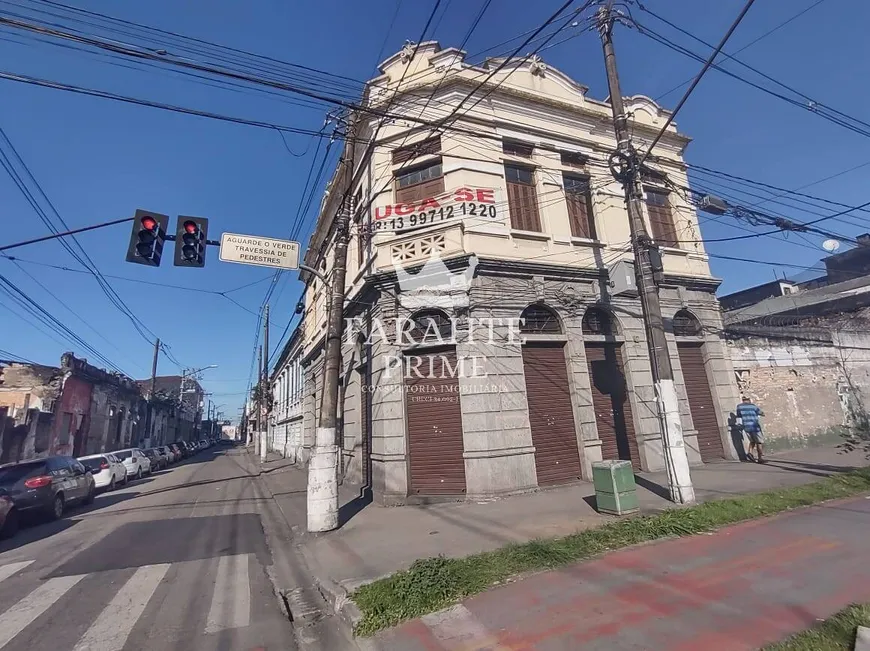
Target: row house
<point x="494" y="341"/>
<point x="74" y="409"/>
<point x="285" y="421"/>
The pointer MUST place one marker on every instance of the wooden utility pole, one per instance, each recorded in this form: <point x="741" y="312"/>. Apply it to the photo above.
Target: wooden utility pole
<point x="149" y="407"/>
<point x="264" y="374"/>
<point x="323" y="465"/>
<point x="259" y="392"/>
<point x="626" y="169"/>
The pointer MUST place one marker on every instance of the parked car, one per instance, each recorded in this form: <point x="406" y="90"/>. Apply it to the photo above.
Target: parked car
<point x="8" y="515"/>
<point x="135" y="461"/>
<point x="179" y="451"/>
<point x="167" y="452"/>
<point x="47" y="485"/>
<point x="107" y="470"/>
<point x="157" y="459"/>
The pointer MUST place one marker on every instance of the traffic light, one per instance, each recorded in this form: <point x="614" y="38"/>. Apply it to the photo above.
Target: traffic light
<point x="191" y="234"/>
<point x="147" y="238"/>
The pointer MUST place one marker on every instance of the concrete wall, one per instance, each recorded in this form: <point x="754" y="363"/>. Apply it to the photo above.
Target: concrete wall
<point x="808" y="390"/>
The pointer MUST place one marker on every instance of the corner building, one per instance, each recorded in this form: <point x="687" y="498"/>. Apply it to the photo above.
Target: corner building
<point x="508" y="212"/>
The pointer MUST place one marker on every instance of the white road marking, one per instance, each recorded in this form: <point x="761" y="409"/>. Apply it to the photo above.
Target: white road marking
<point x="19" y="616"/>
<point x="457" y="628"/>
<point x="8" y="570"/>
<point x="231" y="601"/>
<point x="112" y="628"/>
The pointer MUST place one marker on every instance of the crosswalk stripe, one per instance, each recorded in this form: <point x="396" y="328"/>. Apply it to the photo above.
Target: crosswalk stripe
<point x="112" y="628"/>
<point x="8" y="570"/>
<point x="231" y="601"/>
<point x="19" y="616"/>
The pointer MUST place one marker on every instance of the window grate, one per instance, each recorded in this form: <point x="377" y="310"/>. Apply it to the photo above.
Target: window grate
<point x="597" y="322"/>
<point x="540" y="320"/>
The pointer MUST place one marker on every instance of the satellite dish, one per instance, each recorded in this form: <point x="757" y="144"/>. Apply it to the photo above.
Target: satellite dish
<point x="830" y="245"/>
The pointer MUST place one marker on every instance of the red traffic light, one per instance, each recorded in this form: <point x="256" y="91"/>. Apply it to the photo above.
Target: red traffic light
<point x="149" y="223"/>
<point x="191" y="227"/>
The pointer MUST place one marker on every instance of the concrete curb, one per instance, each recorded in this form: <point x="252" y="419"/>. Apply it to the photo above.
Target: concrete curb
<point x="305" y="595"/>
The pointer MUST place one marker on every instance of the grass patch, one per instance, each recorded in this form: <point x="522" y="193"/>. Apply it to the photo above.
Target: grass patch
<point x="834" y="634"/>
<point x="433" y="583"/>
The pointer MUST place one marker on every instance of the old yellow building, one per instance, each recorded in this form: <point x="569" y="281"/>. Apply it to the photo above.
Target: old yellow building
<point x="494" y="340"/>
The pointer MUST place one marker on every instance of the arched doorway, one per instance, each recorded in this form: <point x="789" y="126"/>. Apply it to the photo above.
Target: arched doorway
<point x="548" y="395"/>
<point x="690" y="346"/>
<point x="434" y="414"/>
<point x="613" y="416"/>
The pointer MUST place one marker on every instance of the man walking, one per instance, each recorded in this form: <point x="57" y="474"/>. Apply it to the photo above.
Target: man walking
<point x="748" y="414"/>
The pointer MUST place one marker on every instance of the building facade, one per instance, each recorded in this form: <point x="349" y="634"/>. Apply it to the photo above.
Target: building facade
<point x="803" y="355"/>
<point x="494" y="340"/>
<point x="285" y="421"/>
<point x="176" y="409"/>
<point x="74" y="409"/>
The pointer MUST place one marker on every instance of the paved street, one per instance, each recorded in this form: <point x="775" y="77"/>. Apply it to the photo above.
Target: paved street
<point x="177" y="561"/>
<point x="737" y="589"/>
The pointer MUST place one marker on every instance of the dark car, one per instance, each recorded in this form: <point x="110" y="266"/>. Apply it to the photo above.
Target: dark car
<point x="158" y="461"/>
<point x="8" y="515"/>
<point x="47" y="485"/>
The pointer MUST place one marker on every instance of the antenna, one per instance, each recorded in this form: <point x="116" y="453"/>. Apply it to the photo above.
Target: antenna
<point x="831" y="245"/>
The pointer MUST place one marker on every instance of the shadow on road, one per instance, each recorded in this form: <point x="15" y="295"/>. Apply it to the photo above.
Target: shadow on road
<point x="33" y="530"/>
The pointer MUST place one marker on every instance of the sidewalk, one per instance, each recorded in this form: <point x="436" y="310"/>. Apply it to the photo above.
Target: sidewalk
<point x="375" y="541"/>
<point x="737" y="589"/>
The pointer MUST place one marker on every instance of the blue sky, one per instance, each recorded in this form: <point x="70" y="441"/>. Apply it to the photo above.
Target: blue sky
<point x="99" y="160"/>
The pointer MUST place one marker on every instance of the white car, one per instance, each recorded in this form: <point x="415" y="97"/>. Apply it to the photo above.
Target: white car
<point x="106" y="469"/>
<point x="135" y="462"/>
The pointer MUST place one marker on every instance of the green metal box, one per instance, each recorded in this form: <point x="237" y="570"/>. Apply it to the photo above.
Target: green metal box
<point x="615" y="490"/>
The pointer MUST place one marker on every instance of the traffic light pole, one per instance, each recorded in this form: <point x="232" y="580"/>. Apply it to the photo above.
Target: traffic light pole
<point x="626" y="161"/>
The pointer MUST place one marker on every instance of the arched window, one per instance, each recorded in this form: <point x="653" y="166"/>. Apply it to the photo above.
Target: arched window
<point x="597" y="322"/>
<point x="686" y="325"/>
<point x="430" y="326"/>
<point x="540" y="320"/>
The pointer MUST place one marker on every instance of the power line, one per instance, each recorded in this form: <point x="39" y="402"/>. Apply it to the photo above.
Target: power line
<point x="698" y="77"/>
<point x="748" y="45"/>
<point x="816" y="109"/>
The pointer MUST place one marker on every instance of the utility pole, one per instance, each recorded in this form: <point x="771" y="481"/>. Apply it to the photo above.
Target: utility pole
<point x="264" y="430"/>
<point x="323" y="465"/>
<point x="624" y="165"/>
<point x="149" y="407"/>
<point x="256" y="432"/>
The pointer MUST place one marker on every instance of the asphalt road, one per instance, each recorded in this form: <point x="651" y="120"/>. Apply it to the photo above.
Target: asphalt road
<point x="176" y="561"/>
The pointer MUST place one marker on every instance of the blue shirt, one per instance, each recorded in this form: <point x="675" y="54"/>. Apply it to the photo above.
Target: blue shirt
<point x="748" y="415"/>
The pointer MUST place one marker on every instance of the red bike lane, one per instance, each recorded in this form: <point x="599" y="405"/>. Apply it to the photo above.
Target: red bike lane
<point x="738" y="588"/>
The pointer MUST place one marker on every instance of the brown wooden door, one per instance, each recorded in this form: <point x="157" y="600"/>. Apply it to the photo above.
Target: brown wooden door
<point x="701" y="403"/>
<point x="435" y="443"/>
<point x="551" y="415"/>
<point x="610" y="400"/>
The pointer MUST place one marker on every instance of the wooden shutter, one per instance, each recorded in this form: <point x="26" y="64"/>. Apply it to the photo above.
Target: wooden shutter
<point x="435" y="442"/>
<point x="613" y="416"/>
<point x="551" y="415"/>
<point x="661" y="219"/>
<point x="580" y="212"/>
<point x="701" y="404"/>
<point x="523" y="204"/>
<point x="426" y="190"/>
<point x="422" y="148"/>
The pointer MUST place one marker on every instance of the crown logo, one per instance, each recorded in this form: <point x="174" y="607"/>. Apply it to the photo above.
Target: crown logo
<point x="434" y="285"/>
